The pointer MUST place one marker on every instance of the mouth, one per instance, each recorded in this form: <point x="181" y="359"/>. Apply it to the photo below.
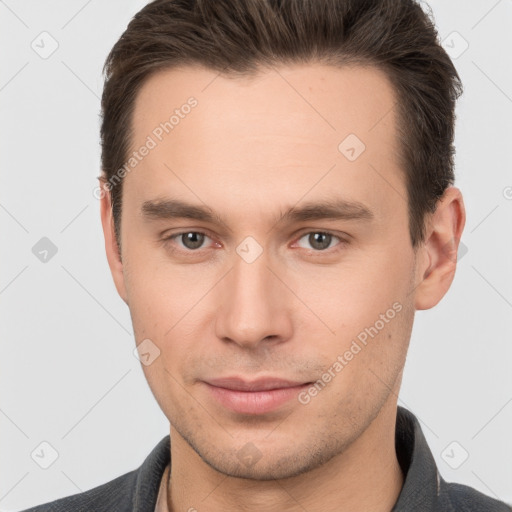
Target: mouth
<point x="254" y="397"/>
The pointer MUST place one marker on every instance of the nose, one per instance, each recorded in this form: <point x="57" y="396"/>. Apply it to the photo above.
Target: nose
<point x="254" y="307"/>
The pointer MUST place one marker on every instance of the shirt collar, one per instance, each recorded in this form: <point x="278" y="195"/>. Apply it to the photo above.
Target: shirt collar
<point x="422" y="482"/>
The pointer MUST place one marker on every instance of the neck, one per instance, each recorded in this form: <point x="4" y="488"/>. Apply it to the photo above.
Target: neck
<point x="365" y="477"/>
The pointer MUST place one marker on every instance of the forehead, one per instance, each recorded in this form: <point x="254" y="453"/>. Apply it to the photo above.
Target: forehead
<point x="314" y="100"/>
<point x="280" y="132"/>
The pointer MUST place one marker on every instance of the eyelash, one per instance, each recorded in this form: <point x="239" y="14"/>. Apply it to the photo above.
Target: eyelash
<point x="329" y="250"/>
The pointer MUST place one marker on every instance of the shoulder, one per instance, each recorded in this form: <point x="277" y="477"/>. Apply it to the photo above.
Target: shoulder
<point x="462" y="498"/>
<point x="116" y="494"/>
<point x="136" y="490"/>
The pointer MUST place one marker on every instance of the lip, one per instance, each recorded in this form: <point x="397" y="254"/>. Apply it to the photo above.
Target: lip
<point x="254" y="397"/>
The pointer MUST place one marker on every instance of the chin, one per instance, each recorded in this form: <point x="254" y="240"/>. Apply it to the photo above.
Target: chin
<point x="271" y="463"/>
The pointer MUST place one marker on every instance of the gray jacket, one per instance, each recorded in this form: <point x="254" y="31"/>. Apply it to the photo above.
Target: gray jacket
<point x="424" y="489"/>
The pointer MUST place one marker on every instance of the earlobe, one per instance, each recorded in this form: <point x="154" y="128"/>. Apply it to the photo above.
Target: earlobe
<point x="439" y="262"/>
<point x="111" y="246"/>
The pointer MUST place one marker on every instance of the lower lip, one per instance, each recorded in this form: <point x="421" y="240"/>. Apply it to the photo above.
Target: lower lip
<point x="255" y="402"/>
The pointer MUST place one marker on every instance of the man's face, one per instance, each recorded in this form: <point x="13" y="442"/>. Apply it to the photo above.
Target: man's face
<point x="260" y="295"/>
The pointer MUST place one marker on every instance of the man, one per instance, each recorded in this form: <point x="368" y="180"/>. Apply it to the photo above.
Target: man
<point x="277" y="201"/>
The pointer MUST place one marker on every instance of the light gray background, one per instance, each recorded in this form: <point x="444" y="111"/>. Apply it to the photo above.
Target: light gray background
<point x="68" y="373"/>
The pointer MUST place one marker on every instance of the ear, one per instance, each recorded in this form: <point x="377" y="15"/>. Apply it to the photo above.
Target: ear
<point x="438" y="260"/>
<point x="111" y="246"/>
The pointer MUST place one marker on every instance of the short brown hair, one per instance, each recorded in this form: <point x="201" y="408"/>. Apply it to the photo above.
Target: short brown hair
<point x="237" y="37"/>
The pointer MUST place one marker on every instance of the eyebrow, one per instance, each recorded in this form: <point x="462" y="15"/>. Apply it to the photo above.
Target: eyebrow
<point x="335" y="209"/>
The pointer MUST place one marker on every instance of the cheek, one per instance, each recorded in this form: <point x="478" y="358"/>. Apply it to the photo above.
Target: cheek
<point x="167" y="305"/>
<point x="158" y="290"/>
<point x="366" y="304"/>
<point x="353" y="294"/>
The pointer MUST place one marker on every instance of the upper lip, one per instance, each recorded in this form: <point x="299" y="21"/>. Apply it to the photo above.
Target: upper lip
<point x="262" y="384"/>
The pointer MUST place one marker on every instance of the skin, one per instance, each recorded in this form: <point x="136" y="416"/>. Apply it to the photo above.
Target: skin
<point x="250" y="150"/>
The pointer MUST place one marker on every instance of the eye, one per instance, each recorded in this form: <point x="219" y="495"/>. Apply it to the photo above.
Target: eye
<point x="319" y="240"/>
<point x="193" y="241"/>
<point x="190" y="240"/>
